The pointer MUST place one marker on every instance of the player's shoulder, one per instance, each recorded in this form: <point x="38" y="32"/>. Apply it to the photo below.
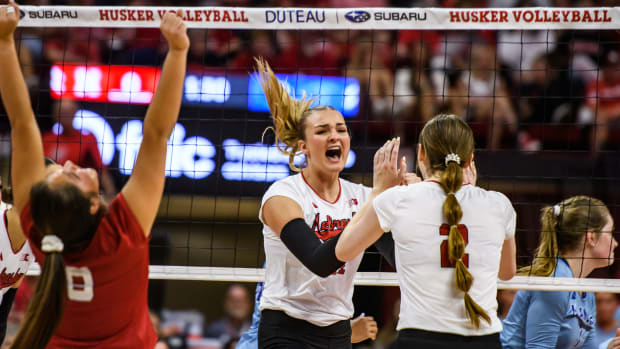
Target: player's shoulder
<point x="491" y="196"/>
<point x="289" y="182"/>
<point x="289" y="187"/>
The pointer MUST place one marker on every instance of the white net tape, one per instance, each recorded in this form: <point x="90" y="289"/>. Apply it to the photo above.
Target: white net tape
<point x="333" y="18"/>
<point x="167" y="272"/>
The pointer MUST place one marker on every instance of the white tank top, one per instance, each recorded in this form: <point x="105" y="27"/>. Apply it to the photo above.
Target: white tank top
<point x="289" y="286"/>
<point x="430" y="299"/>
<point x="13" y="264"/>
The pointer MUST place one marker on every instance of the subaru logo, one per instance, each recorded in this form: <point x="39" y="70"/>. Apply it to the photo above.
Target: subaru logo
<point x="22" y="14"/>
<point x="357" y="16"/>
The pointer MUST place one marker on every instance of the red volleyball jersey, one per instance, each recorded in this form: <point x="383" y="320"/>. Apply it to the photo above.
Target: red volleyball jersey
<point x="107" y="284"/>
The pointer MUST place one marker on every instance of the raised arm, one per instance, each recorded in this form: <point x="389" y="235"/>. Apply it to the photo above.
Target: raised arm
<point x="27" y="166"/>
<point x="364" y="229"/>
<point x="145" y="186"/>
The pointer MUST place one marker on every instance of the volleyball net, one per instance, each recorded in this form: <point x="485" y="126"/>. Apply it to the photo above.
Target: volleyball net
<point x="540" y="87"/>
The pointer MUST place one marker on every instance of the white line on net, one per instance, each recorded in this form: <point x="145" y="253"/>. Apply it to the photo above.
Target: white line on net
<point x="165" y="272"/>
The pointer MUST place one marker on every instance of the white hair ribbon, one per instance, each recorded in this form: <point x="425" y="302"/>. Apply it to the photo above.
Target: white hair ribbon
<point x="51" y="243"/>
<point x="556" y="210"/>
<point x="453" y="157"/>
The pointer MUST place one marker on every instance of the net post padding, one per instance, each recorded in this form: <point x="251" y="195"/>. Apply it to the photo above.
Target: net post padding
<point x="223" y="274"/>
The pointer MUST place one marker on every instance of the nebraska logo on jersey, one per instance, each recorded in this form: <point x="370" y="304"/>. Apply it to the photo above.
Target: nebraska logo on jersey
<point x="329" y="227"/>
<point x="9" y="279"/>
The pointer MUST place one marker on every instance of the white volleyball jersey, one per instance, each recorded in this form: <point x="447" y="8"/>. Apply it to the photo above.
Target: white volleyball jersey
<point x="13" y="263"/>
<point x="289" y="286"/>
<point x="430" y="299"/>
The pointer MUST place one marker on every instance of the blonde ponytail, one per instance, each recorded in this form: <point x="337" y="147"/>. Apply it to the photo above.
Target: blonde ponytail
<point x="545" y="259"/>
<point x="451" y="181"/>
<point x="562" y="229"/>
<point x="287" y="112"/>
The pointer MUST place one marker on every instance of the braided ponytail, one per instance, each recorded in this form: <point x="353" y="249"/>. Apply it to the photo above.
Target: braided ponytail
<point x="451" y="181"/>
<point x="446" y="139"/>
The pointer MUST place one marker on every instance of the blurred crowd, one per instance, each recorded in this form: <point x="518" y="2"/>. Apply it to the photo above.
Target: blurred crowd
<point x="518" y="89"/>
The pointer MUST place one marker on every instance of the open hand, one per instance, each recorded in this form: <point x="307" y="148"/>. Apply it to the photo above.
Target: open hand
<point x="386" y="173"/>
<point x="174" y="30"/>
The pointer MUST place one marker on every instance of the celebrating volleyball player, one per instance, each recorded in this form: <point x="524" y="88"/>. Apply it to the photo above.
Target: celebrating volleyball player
<point x="448" y="287"/>
<point x="575" y="238"/>
<point x="93" y="286"/>
<point x="307" y="296"/>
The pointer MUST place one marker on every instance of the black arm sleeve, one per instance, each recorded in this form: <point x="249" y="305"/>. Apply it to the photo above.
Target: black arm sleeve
<point x="385" y="246"/>
<point x="319" y="257"/>
<point x="5" y="308"/>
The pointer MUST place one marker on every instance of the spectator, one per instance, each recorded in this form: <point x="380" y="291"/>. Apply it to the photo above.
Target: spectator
<point x="413" y="88"/>
<point x="237" y="307"/>
<point x="488" y="93"/>
<point x="376" y="80"/>
<point x="65" y="142"/>
<point x="606" y="324"/>
<point x="603" y="100"/>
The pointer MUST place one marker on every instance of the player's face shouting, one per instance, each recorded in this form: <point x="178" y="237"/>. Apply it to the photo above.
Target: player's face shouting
<point x="327" y="141"/>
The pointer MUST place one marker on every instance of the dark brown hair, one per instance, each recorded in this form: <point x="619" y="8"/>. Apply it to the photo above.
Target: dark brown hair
<point x="63" y="211"/>
<point x="443" y="135"/>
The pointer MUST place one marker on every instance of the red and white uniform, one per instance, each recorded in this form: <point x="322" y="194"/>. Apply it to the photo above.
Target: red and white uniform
<point x="13" y="263"/>
<point x="107" y="293"/>
<point x="430" y="300"/>
<point x="289" y="286"/>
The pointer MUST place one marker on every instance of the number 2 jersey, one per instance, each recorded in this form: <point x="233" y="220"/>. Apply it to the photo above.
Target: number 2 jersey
<point x="107" y="284"/>
<point x="430" y="300"/>
<point x="289" y="286"/>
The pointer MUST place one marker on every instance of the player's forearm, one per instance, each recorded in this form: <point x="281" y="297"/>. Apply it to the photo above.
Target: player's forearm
<point x="163" y="112"/>
<point x="26" y="145"/>
<point x="13" y="87"/>
<point x="359" y="234"/>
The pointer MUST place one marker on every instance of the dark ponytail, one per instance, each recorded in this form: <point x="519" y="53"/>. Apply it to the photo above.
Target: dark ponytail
<point x="46" y="306"/>
<point x="63" y="211"/>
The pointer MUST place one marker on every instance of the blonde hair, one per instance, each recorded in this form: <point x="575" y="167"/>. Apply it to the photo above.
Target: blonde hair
<point x="562" y="228"/>
<point x="289" y="114"/>
<point x="442" y="135"/>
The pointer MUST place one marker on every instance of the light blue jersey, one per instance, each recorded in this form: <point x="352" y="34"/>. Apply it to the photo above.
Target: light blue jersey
<point x="249" y="340"/>
<point x="542" y="319"/>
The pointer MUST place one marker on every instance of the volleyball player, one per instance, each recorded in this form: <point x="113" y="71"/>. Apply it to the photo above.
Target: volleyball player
<point x="448" y="288"/>
<point x="93" y="286"/>
<point x="15" y="259"/>
<point x="575" y="238"/>
<point x="307" y="296"/>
